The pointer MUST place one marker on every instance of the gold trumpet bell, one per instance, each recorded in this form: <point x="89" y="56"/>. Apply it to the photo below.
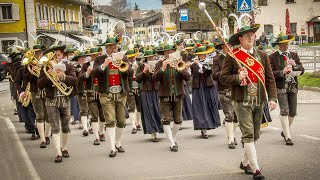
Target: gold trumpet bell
<point x="123" y="67"/>
<point x="181" y="65"/>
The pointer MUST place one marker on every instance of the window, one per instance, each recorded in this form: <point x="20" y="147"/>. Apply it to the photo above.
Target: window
<point x="45" y="12"/>
<point x="5" y="45"/>
<point x="9" y="12"/>
<point x="290" y="1"/>
<point x="69" y="15"/>
<point x="293" y="28"/>
<point x="73" y="16"/>
<point x="263" y="2"/>
<point x="268" y="28"/>
<point x="63" y="15"/>
<point x="58" y="15"/>
<point x="6" y="12"/>
<point x="53" y="15"/>
<point x="38" y="11"/>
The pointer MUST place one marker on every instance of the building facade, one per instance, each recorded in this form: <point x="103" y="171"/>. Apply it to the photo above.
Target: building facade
<point x="12" y="23"/>
<point x="304" y="18"/>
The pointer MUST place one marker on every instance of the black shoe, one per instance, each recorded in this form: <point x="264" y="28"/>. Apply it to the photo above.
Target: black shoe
<point x="47" y="140"/>
<point x="15" y="112"/>
<point x="102" y="137"/>
<point x="139" y="128"/>
<point x="232" y="145"/>
<point x="85" y="133"/>
<point x="174" y="148"/>
<point x="43" y="145"/>
<point x="65" y="154"/>
<point x="34" y="137"/>
<point x="91" y="131"/>
<point x="58" y="159"/>
<point x="74" y="122"/>
<point x="235" y="141"/>
<point x="112" y="153"/>
<point x="155" y="140"/>
<point x="289" y="142"/>
<point x="176" y="144"/>
<point x="96" y="142"/>
<point x="134" y="131"/>
<point x="204" y="136"/>
<point x="247" y="169"/>
<point x="257" y="175"/>
<point x="282" y="134"/>
<point x="120" y="149"/>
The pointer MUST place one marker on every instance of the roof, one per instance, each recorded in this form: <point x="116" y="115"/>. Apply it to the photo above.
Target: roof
<point x="108" y="10"/>
<point x="150" y="18"/>
<point x="137" y="15"/>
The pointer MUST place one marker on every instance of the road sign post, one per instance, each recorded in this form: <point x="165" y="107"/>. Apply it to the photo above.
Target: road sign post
<point x="244" y="5"/>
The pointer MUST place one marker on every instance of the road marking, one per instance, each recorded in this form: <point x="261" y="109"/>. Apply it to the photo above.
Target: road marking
<point x="32" y="171"/>
<point x="193" y="175"/>
<point x="274" y="128"/>
<point x="310" y="137"/>
<point x="8" y="122"/>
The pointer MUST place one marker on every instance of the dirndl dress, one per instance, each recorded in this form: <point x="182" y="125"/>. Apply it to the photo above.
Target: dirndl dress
<point x="186" y="105"/>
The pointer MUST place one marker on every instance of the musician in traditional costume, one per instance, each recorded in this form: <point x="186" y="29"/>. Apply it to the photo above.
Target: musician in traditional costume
<point x="92" y="96"/>
<point x="170" y="92"/>
<point x="286" y="67"/>
<point x="32" y="74"/>
<point x="113" y="88"/>
<point x="134" y="101"/>
<point x="231" y="122"/>
<point x="252" y="83"/>
<point x="60" y="83"/>
<point x="9" y="72"/>
<point x="151" y="117"/>
<point x="81" y="98"/>
<point x="205" y="100"/>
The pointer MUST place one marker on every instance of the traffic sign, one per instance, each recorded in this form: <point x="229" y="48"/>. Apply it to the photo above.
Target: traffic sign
<point x="244" y="5"/>
<point x="184" y="15"/>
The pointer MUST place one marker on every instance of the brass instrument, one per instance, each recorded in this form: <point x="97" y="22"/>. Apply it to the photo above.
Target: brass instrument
<point x="30" y="61"/>
<point x="25" y="101"/>
<point x="118" y="62"/>
<point x="48" y="62"/>
<point x="178" y="64"/>
<point x="151" y="65"/>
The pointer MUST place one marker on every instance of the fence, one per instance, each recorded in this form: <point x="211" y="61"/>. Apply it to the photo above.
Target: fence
<point x="309" y="56"/>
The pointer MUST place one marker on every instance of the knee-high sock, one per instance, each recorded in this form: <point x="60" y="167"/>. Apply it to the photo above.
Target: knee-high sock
<point x="252" y="155"/>
<point x="101" y="127"/>
<point x="47" y="129"/>
<point x="95" y="128"/>
<point x="40" y="127"/>
<point x="285" y="126"/>
<point x="245" y="160"/>
<point x="290" y="120"/>
<point x="84" y="121"/>
<point x="119" y="132"/>
<point x="230" y="129"/>
<point x="138" y="118"/>
<point x="56" y="143"/>
<point x="168" y="132"/>
<point x="112" y="134"/>
<point x="64" y="142"/>
<point x="175" y="130"/>
<point x="132" y="120"/>
<point x="154" y="135"/>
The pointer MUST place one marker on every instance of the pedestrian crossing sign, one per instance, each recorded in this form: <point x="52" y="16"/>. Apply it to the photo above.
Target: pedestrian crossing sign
<point x="244" y="5"/>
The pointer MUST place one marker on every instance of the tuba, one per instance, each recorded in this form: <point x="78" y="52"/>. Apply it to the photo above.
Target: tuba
<point x="25" y="101"/>
<point x="48" y="61"/>
<point x="30" y="61"/>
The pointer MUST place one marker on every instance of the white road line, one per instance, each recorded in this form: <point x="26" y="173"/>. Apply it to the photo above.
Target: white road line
<point x="274" y="128"/>
<point x="310" y="137"/>
<point x="32" y="171"/>
<point x="8" y="122"/>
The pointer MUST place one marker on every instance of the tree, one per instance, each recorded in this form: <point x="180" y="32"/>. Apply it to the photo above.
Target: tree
<point x="136" y="7"/>
<point x="122" y="6"/>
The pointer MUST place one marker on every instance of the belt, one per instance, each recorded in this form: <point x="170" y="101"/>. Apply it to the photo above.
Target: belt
<point x="115" y="89"/>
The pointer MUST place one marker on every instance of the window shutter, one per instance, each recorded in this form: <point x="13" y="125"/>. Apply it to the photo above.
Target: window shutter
<point x="15" y="12"/>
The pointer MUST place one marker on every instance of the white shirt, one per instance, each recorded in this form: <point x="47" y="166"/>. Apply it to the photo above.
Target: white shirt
<point x="248" y="51"/>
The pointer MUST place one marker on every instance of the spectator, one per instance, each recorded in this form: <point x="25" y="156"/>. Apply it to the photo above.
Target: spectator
<point x="263" y="41"/>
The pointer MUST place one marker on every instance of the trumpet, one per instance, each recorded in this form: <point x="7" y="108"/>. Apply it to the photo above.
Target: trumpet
<point x="178" y="64"/>
<point x="122" y="66"/>
<point x="48" y="62"/>
<point x="30" y="61"/>
<point x="25" y="101"/>
<point x="151" y="65"/>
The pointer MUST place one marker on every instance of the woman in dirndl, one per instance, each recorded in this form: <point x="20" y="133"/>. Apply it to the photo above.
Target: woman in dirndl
<point x="204" y="92"/>
<point x="150" y="111"/>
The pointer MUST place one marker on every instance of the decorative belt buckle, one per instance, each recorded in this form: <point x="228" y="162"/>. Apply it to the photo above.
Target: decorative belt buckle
<point x="166" y="99"/>
<point x="252" y="89"/>
<point x="115" y="89"/>
<point x="135" y="85"/>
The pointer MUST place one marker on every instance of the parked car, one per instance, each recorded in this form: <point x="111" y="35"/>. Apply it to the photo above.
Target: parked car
<point x="3" y="62"/>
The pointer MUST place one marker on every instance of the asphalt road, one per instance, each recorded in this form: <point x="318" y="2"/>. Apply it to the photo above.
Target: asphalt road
<point x="197" y="158"/>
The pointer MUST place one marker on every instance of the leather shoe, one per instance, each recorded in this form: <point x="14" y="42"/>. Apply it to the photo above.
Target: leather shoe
<point x="58" y="159"/>
<point x="235" y="141"/>
<point x="102" y="137"/>
<point x="289" y="142"/>
<point x="134" y="131"/>
<point x="91" y="131"/>
<point x="139" y="128"/>
<point x="155" y="140"/>
<point x="120" y="149"/>
<point x="174" y="148"/>
<point x="96" y="142"/>
<point x="232" y="145"/>
<point x="85" y="133"/>
<point x="47" y="140"/>
<point x="247" y="169"/>
<point x="283" y="136"/>
<point x="257" y="175"/>
<point x="43" y="145"/>
<point x="112" y="153"/>
<point x="65" y="153"/>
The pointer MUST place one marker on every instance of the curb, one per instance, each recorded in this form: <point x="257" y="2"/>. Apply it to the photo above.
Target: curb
<point x="316" y="89"/>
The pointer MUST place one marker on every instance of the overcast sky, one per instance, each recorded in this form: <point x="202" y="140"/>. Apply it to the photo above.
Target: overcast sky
<point x="143" y="4"/>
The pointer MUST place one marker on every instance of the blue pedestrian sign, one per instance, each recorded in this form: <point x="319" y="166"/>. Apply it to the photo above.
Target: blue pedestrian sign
<point x="244" y="5"/>
<point x="184" y="15"/>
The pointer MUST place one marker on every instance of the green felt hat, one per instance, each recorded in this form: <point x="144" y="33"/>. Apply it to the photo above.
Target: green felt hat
<point x="80" y="54"/>
<point x="234" y="39"/>
<point x="283" y="39"/>
<point x="55" y="48"/>
<point x="132" y="52"/>
<point x="95" y="50"/>
<point x="38" y="47"/>
<point x="149" y="52"/>
<point x="202" y="49"/>
<point x="165" y="47"/>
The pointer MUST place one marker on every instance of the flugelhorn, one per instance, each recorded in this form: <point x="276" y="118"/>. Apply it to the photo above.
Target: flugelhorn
<point x="48" y="62"/>
<point x="25" y="100"/>
<point x="30" y="61"/>
<point x="118" y="62"/>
